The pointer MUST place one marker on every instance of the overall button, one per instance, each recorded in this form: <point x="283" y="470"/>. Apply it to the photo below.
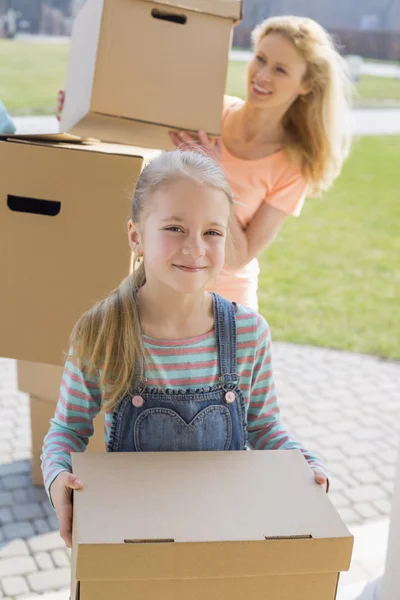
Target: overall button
<point x="137" y="401"/>
<point x="230" y="397"/>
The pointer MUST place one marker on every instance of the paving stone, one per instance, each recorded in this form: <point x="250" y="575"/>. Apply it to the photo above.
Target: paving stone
<point x="14" y="482"/>
<point x="358" y="464"/>
<point x="27" y="512"/>
<point x="14" y="586"/>
<point x="20" y="496"/>
<point x="5" y="457"/>
<point x="367" y="511"/>
<point x="6" y="515"/>
<point x="21" y="529"/>
<point x="365" y="493"/>
<point x="43" y="561"/>
<point x="349" y="516"/>
<point x="14" y="548"/>
<point x="53" y="522"/>
<point x="387" y="471"/>
<point x="47" y="508"/>
<point x="339" y="500"/>
<point x="41" y="526"/>
<point x="17" y="565"/>
<point x="43" y="581"/>
<point x="22" y="455"/>
<point x="383" y="506"/>
<point x="37" y="494"/>
<point x="60" y="558"/>
<point x="369" y="476"/>
<point x="342" y="426"/>
<point x="47" y="542"/>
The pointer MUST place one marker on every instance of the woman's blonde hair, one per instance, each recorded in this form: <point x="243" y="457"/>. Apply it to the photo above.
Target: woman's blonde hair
<point x="107" y="340"/>
<point x="317" y="124"/>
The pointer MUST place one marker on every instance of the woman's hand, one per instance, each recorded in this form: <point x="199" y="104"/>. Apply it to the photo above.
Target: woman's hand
<point x="60" y="103"/>
<point x="186" y="141"/>
<point x="61" y="496"/>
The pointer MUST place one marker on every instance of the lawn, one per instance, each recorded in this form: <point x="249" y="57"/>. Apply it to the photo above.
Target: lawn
<point x="31" y="74"/>
<point x="332" y="278"/>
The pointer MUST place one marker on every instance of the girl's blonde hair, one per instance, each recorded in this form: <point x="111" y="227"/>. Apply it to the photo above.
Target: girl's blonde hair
<point x="318" y="124"/>
<point x="107" y="340"/>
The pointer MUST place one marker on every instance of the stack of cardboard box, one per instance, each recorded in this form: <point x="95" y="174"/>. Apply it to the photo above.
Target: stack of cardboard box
<point x="137" y="69"/>
<point x="215" y="525"/>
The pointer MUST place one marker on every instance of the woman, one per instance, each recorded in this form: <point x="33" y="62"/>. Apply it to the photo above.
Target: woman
<point x="288" y="139"/>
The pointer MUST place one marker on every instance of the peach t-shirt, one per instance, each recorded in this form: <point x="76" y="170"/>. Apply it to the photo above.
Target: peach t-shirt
<point x="273" y="179"/>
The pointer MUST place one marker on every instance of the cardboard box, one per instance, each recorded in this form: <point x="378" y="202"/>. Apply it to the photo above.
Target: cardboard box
<point x="139" y="68"/>
<point x="42" y="383"/>
<point x="201" y="525"/>
<point x="63" y="214"/>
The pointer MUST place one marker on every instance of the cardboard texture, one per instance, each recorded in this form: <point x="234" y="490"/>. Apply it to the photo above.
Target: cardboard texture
<point x="204" y="524"/>
<point x="138" y="69"/>
<point x="63" y="213"/>
<point x="42" y="383"/>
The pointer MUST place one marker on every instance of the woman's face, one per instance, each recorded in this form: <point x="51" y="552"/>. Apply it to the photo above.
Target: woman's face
<point x="276" y="73"/>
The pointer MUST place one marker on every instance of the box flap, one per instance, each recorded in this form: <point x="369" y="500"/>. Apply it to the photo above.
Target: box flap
<point x="229" y="9"/>
<point x="123" y="131"/>
<point x="64" y="141"/>
<point x="202" y="508"/>
<point x="47" y="137"/>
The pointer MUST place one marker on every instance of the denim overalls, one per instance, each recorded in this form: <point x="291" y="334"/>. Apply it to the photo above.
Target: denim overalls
<point x="214" y="418"/>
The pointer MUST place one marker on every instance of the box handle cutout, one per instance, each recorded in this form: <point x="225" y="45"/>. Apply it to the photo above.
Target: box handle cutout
<point x="168" y="16"/>
<point x="288" y="537"/>
<point x="34" y="206"/>
<point x="150" y="541"/>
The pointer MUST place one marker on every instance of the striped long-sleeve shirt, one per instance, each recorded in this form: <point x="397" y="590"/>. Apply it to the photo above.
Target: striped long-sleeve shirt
<point x="185" y="364"/>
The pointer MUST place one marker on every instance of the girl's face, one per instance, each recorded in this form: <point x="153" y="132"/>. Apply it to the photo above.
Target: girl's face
<point x="182" y="235"/>
<point x="276" y="73"/>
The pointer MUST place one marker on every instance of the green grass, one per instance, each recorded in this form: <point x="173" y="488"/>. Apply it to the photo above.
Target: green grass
<point x="371" y="91"/>
<point x="332" y="277"/>
<point x="31" y="75"/>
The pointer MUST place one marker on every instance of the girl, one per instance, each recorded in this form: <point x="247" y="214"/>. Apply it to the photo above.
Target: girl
<point x="288" y="138"/>
<point x="173" y="367"/>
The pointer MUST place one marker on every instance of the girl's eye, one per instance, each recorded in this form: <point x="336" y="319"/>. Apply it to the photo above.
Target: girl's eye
<point x="212" y="232"/>
<point x="281" y="70"/>
<point x="174" y="228"/>
<point x="260" y="59"/>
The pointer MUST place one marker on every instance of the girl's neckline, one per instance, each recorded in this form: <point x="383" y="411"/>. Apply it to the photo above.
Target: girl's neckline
<point x="181" y="342"/>
<point x="246" y="160"/>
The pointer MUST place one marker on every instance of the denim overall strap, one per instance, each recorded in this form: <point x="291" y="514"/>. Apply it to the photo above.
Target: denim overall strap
<point x="225" y="333"/>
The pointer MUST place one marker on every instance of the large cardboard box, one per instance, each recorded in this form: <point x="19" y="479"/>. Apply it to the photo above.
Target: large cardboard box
<point x="63" y="214"/>
<point x="42" y="383"/>
<point x="198" y="525"/>
<point x="139" y="68"/>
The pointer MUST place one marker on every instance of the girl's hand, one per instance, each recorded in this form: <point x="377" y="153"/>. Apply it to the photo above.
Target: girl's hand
<point x="60" y="103"/>
<point x="321" y="479"/>
<point x="212" y="147"/>
<point x="61" y="496"/>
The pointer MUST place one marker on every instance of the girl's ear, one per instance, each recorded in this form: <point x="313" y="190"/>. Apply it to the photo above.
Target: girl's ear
<point x="134" y="237"/>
